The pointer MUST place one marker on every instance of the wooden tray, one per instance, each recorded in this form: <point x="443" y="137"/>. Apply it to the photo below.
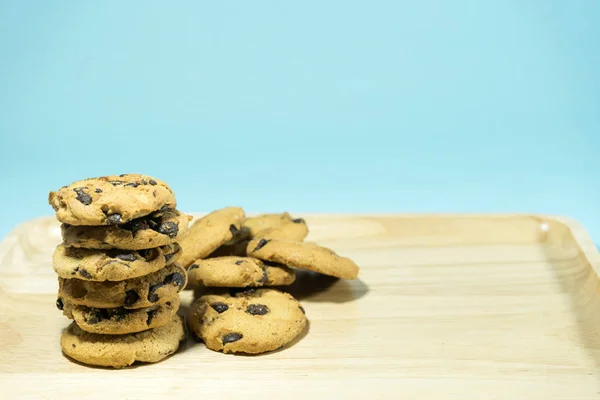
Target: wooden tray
<point x="447" y="307"/>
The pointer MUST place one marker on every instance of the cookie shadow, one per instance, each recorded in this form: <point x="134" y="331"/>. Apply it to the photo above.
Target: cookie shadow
<point x="314" y="287"/>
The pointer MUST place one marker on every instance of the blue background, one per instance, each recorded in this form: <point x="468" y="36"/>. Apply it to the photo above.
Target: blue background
<point x="330" y="106"/>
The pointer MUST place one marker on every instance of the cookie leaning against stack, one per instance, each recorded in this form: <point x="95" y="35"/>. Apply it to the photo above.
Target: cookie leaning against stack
<point x="118" y="275"/>
<point x="226" y="250"/>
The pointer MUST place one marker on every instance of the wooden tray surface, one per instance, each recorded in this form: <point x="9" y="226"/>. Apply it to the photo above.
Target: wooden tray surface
<point x="445" y="307"/>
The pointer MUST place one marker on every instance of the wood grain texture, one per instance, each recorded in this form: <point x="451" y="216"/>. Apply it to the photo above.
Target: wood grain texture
<point x="445" y="307"/>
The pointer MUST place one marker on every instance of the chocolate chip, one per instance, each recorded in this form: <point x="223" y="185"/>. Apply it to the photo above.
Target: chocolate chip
<point x="151" y="314"/>
<point x="123" y="175"/>
<point x="301" y="309"/>
<point x="265" y="276"/>
<point x="126" y="257"/>
<point x="136" y="225"/>
<point x="152" y="296"/>
<point x="132" y="184"/>
<point x="257" y="309"/>
<point x="83" y="197"/>
<point x="176" y="278"/>
<point x="143" y="182"/>
<point x="239" y="262"/>
<point x="168" y="257"/>
<point x="131" y="296"/>
<point x="299" y="221"/>
<point x="96" y="315"/>
<point x="152" y="182"/>
<point x="220" y="307"/>
<point x="165" y="208"/>
<point x="233" y="229"/>
<point x="119" y="314"/>
<point x="113" y="219"/>
<point x="115" y="182"/>
<point x="85" y="274"/>
<point x="231" y="337"/>
<point x="168" y="228"/>
<point x="59" y="304"/>
<point x="261" y="244"/>
<point x="193" y="266"/>
<point x="98" y="190"/>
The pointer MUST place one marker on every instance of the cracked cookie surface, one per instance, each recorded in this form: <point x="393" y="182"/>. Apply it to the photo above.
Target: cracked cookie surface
<point x="144" y="291"/>
<point x="113" y="264"/>
<point x="252" y="321"/>
<point x="120" y="351"/>
<point x="157" y="229"/>
<point x="238" y="272"/>
<point x="209" y="232"/>
<point x="303" y="255"/>
<point x="110" y="200"/>
<point x="119" y="321"/>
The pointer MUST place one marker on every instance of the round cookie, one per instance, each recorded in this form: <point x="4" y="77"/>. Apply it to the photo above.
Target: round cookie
<point x="252" y="321"/>
<point x="154" y="230"/>
<point x="303" y="255"/>
<point x="110" y="200"/>
<point x="119" y="321"/>
<point x="210" y="232"/>
<point x="238" y="272"/>
<point x="111" y="265"/>
<point x="294" y="230"/>
<point x="144" y="291"/>
<point x="120" y="351"/>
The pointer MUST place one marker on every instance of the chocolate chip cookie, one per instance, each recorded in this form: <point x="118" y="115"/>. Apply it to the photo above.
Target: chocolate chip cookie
<point x="252" y="321"/>
<point x="157" y="229"/>
<point x="110" y="200"/>
<point x="303" y="255"/>
<point x="111" y="265"/>
<point x="119" y="321"/>
<point x="209" y="232"/>
<point x="238" y="272"/>
<point x="120" y="351"/>
<point x="144" y="291"/>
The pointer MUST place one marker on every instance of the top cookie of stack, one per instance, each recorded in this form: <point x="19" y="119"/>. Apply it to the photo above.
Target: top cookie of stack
<point x="129" y="212"/>
<point x="117" y="267"/>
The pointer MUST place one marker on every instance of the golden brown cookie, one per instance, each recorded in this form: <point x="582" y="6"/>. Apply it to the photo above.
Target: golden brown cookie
<point x="252" y="321"/>
<point x="238" y="272"/>
<point x="110" y="200"/>
<point x="144" y="291"/>
<point x="119" y="321"/>
<point x="303" y="255"/>
<point x="209" y="232"/>
<point x="111" y="265"/>
<point x="262" y="222"/>
<point x="154" y="230"/>
<point x="120" y="351"/>
<point x="294" y="230"/>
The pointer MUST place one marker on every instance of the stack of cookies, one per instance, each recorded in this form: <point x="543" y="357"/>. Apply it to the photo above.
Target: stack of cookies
<point x="119" y="279"/>
<point x="244" y="262"/>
